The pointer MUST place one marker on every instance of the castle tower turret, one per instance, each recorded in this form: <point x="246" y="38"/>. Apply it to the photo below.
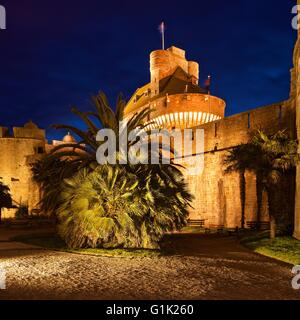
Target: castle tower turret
<point x="174" y="93"/>
<point x="163" y="63"/>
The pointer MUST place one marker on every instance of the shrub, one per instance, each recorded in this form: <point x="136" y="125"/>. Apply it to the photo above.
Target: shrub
<point x="111" y="208"/>
<point x="22" y="212"/>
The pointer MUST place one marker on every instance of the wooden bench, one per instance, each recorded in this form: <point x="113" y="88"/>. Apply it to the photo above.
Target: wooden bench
<point x="218" y="227"/>
<point x="262" y="225"/>
<point x="232" y="231"/>
<point x="29" y="223"/>
<point x="196" y="223"/>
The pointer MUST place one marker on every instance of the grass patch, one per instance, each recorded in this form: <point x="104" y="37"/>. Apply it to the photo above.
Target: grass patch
<point x="54" y="242"/>
<point x="286" y="249"/>
<point x="189" y="229"/>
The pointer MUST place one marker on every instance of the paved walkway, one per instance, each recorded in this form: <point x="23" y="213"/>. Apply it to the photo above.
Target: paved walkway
<point x="205" y="267"/>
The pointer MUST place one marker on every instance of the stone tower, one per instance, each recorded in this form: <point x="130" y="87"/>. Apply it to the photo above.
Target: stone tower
<point x="295" y="94"/>
<point x="174" y="94"/>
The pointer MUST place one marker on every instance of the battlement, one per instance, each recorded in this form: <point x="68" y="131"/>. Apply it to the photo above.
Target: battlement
<point x="234" y="130"/>
<point x="29" y="131"/>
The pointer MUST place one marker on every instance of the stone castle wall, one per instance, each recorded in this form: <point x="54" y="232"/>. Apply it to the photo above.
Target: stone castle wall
<point x="19" y="151"/>
<point x="217" y="195"/>
<point x="16" y="173"/>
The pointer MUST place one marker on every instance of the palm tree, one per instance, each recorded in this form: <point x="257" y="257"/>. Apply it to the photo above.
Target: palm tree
<point x="104" y="205"/>
<point x="5" y="198"/>
<point x="103" y="117"/>
<point x="277" y="157"/>
<point x="67" y="159"/>
<point x="98" y="209"/>
<point x="110" y="207"/>
<point x="49" y="172"/>
<point x="269" y="157"/>
<point x="239" y="160"/>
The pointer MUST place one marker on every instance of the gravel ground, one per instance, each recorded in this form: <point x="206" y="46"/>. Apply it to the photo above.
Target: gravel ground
<point x="206" y="267"/>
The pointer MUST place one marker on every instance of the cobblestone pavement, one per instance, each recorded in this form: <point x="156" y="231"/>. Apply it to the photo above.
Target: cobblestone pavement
<point x="205" y="267"/>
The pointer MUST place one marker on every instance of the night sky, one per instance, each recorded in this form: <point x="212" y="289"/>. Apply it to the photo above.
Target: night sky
<point x="56" y="54"/>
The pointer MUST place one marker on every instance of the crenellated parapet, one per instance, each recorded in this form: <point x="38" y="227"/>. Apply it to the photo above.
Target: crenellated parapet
<point x="20" y="148"/>
<point x="186" y="110"/>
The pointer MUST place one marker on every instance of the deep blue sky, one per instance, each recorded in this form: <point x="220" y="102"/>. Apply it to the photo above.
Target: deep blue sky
<point x="55" y="54"/>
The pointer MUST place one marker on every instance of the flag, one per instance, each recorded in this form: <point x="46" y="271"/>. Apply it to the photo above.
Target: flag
<point x="162" y="28"/>
<point x="208" y="83"/>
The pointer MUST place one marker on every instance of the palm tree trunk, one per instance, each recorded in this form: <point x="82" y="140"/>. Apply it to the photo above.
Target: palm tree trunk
<point x="259" y="192"/>
<point x="272" y="227"/>
<point x="274" y="207"/>
<point x="243" y="197"/>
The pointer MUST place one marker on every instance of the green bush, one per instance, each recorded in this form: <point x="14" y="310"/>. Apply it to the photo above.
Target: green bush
<point x="22" y="212"/>
<point x="111" y="207"/>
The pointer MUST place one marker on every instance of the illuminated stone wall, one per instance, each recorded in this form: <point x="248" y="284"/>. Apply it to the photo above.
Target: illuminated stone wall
<point x="217" y="195"/>
<point x="15" y="157"/>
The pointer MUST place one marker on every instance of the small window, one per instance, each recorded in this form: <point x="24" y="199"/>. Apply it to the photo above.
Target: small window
<point x="216" y="130"/>
<point x="249" y="121"/>
<point x="280" y="114"/>
<point x="40" y="150"/>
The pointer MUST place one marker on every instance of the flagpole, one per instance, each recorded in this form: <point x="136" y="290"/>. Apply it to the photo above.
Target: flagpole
<point x="162" y="31"/>
<point x="209" y="107"/>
